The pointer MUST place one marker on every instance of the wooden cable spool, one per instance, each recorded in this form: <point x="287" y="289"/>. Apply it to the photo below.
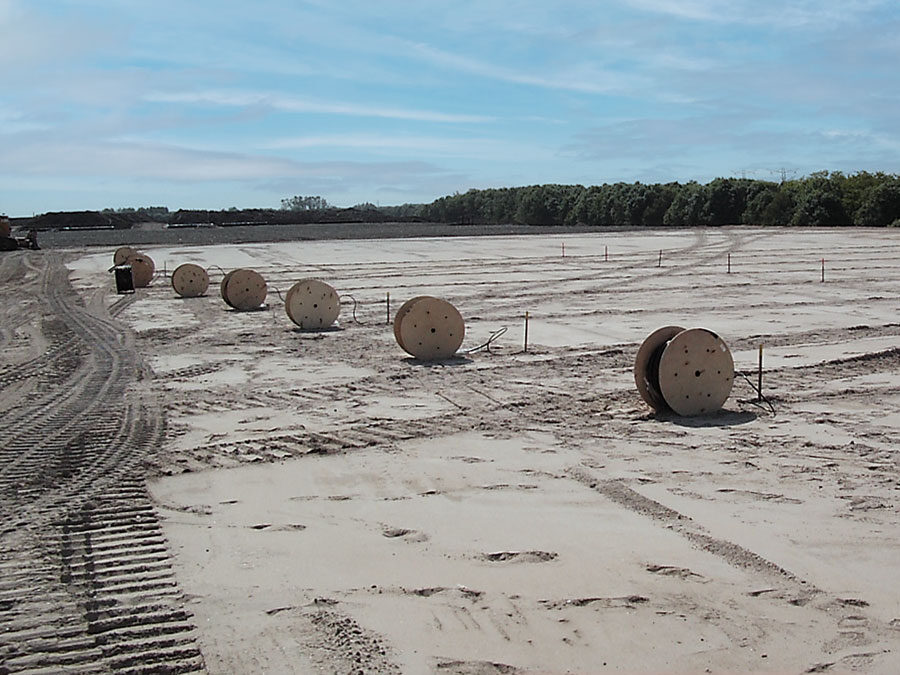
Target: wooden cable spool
<point x="142" y="269"/>
<point x="431" y="329"/>
<point x="312" y="304"/>
<point x="696" y="372"/>
<point x="689" y="372"/>
<point x="190" y="280"/>
<point x="244" y="289"/>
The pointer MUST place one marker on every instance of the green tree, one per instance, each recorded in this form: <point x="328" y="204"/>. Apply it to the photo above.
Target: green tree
<point x="880" y="205"/>
<point x="726" y="201"/>
<point x="853" y="188"/>
<point x="759" y="196"/>
<point x="779" y="210"/>
<point x="688" y="205"/>
<point x="657" y="200"/>
<point x="818" y="202"/>
<point x="591" y="207"/>
<point x="546" y="204"/>
<point x="298" y="203"/>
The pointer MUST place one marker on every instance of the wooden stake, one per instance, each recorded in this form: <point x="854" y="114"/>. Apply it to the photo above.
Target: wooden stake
<point x="659" y="264"/>
<point x="823" y="269"/>
<point x="526" y="332"/>
<point x="389" y="307"/>
<point x="759" y="378"/>
<point x="564" y="249"/>
<point x="606" y="254"/>
<point x="729" y="263"/>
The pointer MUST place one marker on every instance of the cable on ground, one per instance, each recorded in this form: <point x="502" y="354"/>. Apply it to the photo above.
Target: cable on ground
<point x="487" y="345"/>
<point x="347" y="295"/>
<point x="218" y="268"/>
<point x="759" y="395"/>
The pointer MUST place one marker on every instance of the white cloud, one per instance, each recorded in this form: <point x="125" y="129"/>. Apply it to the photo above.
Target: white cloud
<point x="14" y="122"/>
<point x="481" y="149"/>
<point x="796" y="14"/>
<point x="138" y="161"/>
<point x="32" y="38"/>
<point x="862" y="137"/>
<point x="289" y="103"/>
<point x="585" y="77"/>
<point x="154" y="161"/>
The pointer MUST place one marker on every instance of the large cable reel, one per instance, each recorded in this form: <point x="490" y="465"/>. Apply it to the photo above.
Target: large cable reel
<point x="689" y="372"/>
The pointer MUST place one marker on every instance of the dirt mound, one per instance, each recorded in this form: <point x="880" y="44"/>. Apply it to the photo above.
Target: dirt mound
<point x="89" y="220"/>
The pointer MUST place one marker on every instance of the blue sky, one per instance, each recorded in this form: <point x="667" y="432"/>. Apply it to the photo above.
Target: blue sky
<point x="213" y="104"/>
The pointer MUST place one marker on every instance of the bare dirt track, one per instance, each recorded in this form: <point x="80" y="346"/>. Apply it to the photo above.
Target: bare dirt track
<point x="86" y="584"/>
<point x="178" y="478"/>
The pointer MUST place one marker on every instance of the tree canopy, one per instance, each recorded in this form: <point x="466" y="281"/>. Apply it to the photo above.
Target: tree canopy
<point x="823" y="198"/>
<point x="298" y="203"/>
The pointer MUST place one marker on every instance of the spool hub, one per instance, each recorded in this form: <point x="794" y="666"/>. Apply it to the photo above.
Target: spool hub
<point x="646" y="378"/>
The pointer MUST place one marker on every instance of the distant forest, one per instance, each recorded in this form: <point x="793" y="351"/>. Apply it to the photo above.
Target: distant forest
<point x="862" y="199"/>
<point x="820" y="199"/>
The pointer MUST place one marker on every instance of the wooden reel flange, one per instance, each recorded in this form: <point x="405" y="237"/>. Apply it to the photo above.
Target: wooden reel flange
<point x="431" y="329"/>
<point x="646" y="378"/>
<point x="122" y="253"/>
<point x="142" y="269"/>
<point x="312" y="304"/>
<point x="190" y="280"/>
<point x="244" y="290"/>
<point x="398" y="318"/>
<point x="223" y="285"/>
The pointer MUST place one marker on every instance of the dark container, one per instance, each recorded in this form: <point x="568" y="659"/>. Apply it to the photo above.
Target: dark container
<point x="124" y="280"/>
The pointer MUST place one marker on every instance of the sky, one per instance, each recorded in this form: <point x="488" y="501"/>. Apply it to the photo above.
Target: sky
<point x="228" y="103"/>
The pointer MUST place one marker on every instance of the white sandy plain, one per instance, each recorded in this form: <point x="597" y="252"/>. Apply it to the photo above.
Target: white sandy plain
<point x="334" y="506"/>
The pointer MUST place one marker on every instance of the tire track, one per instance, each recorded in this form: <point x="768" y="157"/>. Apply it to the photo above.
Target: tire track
<point x="86" y="583"/>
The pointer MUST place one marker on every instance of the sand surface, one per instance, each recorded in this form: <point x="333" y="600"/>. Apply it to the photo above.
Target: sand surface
<point x="331" y="505"/>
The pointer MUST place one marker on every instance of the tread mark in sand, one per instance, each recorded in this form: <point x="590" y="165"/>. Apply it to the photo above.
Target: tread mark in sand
<point x="85" y="578"/>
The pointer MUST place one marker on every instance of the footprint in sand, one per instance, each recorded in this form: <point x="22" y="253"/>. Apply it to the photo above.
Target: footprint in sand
<point x="403" y="533"/>
<point x="520" y="556"/>
<point x="476" y="668"/>
<point x="289" y="527"/>
<point x="672" y="571"/>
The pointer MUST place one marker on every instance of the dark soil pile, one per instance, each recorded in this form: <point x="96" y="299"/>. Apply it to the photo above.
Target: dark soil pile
<point x="89" y="220"/>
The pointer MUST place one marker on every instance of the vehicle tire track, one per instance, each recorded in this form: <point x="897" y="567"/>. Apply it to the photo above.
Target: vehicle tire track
<point x="85" y="578"/>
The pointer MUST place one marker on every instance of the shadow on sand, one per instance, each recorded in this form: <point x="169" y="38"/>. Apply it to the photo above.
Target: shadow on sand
<point x="722" y="418"/>
<point x="261" y="308"/>
<point x="315" y="331"/>
<point x="452" y="361"/>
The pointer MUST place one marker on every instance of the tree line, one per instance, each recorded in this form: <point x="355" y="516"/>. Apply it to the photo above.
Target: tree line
<point x="820" y="199"/>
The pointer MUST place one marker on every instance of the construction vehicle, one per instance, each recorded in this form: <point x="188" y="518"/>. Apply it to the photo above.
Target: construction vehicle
<point x="11" y="243"/>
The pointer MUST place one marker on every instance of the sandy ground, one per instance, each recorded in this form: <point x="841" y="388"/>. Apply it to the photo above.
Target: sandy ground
<point x="334" y="506"/>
